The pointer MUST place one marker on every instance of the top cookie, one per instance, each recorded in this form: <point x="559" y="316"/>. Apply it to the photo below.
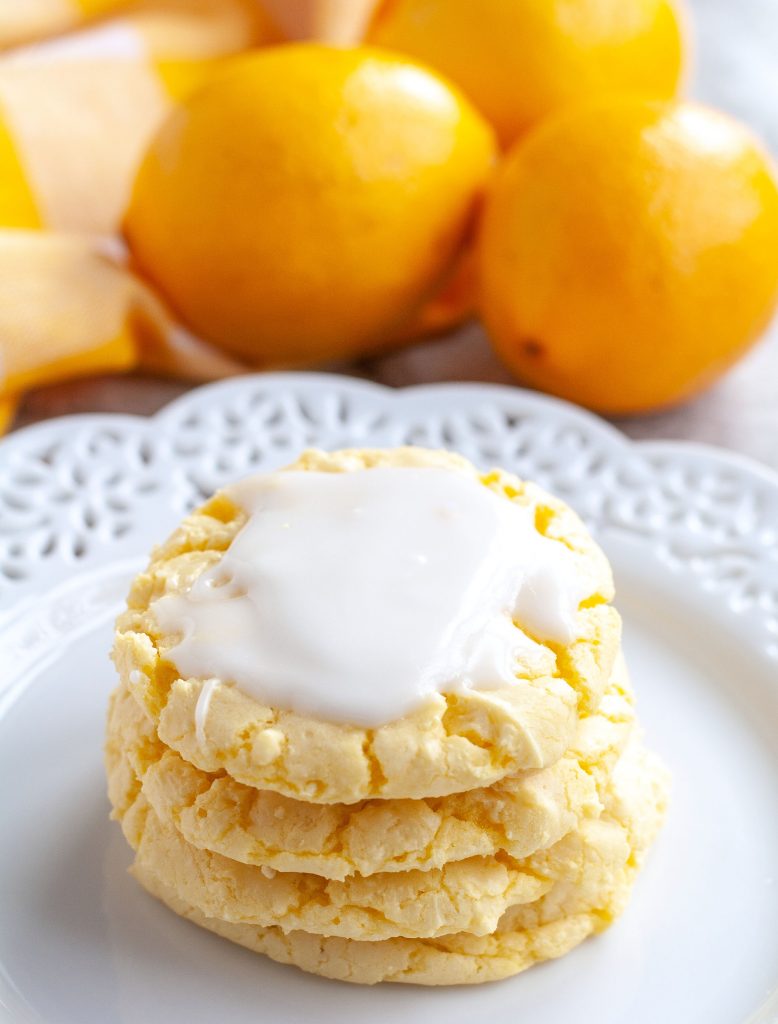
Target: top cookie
<point x="453" y="741"/>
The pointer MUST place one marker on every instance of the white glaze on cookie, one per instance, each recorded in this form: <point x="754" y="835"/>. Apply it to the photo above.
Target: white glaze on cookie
<point x="354" y="597"/>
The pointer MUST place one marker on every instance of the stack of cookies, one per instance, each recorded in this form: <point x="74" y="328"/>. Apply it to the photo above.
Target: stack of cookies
<point x="481" y="832"/>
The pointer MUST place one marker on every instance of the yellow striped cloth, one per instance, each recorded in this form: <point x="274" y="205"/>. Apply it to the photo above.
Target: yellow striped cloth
<point x="76" y="111"/>
<point x="23" y="20"/>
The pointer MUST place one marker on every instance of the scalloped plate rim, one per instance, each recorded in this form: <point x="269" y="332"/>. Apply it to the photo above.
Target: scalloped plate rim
<point x="103" y="576"/>
<point x="540" y="400"/>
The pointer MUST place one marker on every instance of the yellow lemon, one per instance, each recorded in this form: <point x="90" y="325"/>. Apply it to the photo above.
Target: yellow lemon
<point x="628" y="252"/>
<point x="519" y="60"/>
<point x="307" y="202"/>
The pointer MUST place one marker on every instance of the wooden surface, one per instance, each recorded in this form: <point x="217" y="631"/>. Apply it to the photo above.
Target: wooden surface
<point x="736" y="68"/>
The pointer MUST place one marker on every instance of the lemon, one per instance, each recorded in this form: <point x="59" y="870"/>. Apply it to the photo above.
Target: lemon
<point x="308" y="201"/>
<point x="521" y="60"/>
<point x="628" y="252"/>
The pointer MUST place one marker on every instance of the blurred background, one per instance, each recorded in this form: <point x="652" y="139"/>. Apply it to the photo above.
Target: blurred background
<point x="733" y="67"/>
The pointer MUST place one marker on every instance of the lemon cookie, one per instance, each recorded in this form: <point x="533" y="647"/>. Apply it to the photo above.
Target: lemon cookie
<point x="469" y="895"/>
<point x="596" y="866"/>
<point x="546" y="655"/>
<point x="518" y="815"/>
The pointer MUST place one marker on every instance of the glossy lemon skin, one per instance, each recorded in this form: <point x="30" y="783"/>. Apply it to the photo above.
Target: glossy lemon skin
<point x="306" y="203"/>
<point x="628" y="253"/>
<point x="520" y="60"/>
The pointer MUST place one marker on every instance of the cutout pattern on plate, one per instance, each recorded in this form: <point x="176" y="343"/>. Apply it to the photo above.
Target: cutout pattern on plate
<point x="80" y="492"/>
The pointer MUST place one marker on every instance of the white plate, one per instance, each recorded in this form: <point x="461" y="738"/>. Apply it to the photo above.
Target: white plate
<point x="692" y="536"/>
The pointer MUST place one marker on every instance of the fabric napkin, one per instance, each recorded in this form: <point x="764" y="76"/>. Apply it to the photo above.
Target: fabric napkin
<point x="83" y="85"/>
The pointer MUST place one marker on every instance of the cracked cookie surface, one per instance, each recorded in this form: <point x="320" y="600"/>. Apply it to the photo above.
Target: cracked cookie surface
<point x="470" y="895"/>
<point x="600" y="861"/>
<point x="454" y="742"/>
<point x="518" y="815"/>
